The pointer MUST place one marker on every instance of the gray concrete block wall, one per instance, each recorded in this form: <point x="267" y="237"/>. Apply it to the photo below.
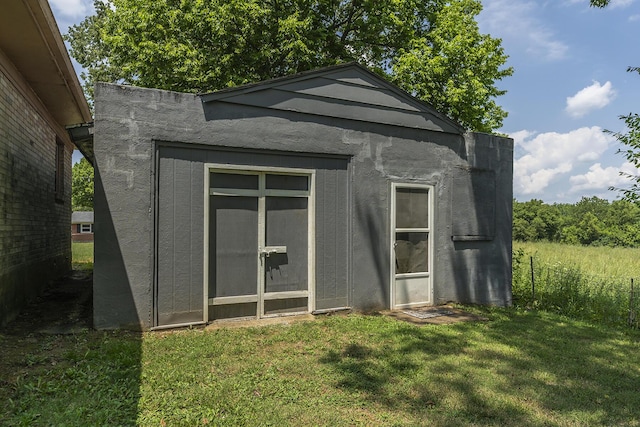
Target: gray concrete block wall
<point x="123" y="205"/>
<point x="35" y="242"/>
<point x="476" y="268"/>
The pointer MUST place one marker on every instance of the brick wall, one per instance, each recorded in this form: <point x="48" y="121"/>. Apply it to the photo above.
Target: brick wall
<point x="35" y="243"/>
<point x="76" y="236"/>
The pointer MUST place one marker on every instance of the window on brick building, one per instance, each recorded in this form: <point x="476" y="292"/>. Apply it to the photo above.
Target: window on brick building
<point x="59" y="184"/>
<point x="86" y="228"/>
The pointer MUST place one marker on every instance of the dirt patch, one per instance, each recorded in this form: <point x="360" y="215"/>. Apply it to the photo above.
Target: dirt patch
<point x="38" y="338"/>
<point x="438" y="315"/>
<point x="64" y="307"/>
<point x="247" y="323"/>
<point x="428" y="315"/>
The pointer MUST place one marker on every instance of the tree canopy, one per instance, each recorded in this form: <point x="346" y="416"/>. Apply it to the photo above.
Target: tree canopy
<point x="629" y="138"/>
<point x="82" y="186"/>
<point x="591" y="221"/>
<point x="431" y="48"/>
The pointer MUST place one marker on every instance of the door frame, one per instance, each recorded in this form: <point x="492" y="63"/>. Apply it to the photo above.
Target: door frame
<point x="392" y="239"/>
<point x="262" y="193"/>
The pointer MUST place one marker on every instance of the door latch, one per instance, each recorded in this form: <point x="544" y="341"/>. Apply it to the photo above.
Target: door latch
<point x="268" y="250"/>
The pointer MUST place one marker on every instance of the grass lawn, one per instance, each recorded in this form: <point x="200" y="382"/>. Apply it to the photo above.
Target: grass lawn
<point x="518" y="368"/>
<point x="82" y="255"/>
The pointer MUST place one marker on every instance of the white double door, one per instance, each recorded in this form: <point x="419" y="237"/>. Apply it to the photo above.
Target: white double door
<point x="259" y="242"/>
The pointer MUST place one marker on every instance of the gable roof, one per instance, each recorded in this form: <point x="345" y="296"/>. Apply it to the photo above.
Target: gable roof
<point x="347" y="91"/>
<point x="82" y="217"/>
<point x="31" y="40"/>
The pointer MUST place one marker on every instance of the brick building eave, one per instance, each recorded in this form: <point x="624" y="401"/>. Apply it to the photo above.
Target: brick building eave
<point x="31" y="40"/>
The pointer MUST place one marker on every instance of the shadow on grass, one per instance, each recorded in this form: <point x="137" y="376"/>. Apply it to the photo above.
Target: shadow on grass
<point x="523" y="369"/>
<point x="56" y="370"/>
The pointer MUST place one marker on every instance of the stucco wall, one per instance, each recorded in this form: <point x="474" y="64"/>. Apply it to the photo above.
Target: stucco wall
<point x="35" y="242"/>
<point x="468" y="268"/>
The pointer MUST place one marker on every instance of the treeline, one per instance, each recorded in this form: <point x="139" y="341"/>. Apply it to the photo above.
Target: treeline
<point x="591" y="221"/>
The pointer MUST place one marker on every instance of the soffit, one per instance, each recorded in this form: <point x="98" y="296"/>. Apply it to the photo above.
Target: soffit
<point x="30" y="39"/>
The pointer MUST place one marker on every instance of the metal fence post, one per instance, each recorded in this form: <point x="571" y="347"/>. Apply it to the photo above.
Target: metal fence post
<point x="632" y="312"/>
<point x="533" y="280"/>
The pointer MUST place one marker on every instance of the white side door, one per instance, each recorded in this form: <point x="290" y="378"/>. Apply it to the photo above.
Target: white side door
<point x="411" y="245"/>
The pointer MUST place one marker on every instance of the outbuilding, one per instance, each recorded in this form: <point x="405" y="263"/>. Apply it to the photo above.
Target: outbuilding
<point x="310" y="193"/>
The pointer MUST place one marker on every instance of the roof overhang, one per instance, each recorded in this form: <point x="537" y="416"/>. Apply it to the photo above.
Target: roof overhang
<point x="31" y="40"/>
<point x="82" y="137"/>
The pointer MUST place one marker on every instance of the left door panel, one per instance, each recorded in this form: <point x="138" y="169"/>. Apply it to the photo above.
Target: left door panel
<point x="233" y="252"/>
<point x="179" y="292"/>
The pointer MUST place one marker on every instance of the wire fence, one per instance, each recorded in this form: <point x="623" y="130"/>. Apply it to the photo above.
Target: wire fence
<point x="570" y="291"/>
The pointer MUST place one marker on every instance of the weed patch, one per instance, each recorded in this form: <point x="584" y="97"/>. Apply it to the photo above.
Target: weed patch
<point x="581" y="282"/>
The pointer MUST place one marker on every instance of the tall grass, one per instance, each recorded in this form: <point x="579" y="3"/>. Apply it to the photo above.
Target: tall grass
<point x="594" y="260"/>
<point x="591" y="283"/>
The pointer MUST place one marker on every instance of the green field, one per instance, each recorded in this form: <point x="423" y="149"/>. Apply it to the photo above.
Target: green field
<point x="620" y="263"/>
<point x="591" y="283"/>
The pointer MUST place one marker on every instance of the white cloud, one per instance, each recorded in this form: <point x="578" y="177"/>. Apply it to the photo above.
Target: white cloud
<point x="550" y="155"/>
<point x="620" y="3"/>
<point x="598" y="178"/>
<point x="542" y="44"/>
<point x="590" y="98"/>
<point x="518" y="22"/>
<point x="72" y="8"/>
<point x="521" y="136"/>
<point x="536" y="182"/>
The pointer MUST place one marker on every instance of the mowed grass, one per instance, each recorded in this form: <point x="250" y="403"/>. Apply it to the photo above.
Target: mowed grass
<point x="82" y="255"/>
<point x="521" y="367"/>
<point x="518" y="368"/>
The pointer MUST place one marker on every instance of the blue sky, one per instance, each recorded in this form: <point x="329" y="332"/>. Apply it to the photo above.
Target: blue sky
<point x="570" y="83"/>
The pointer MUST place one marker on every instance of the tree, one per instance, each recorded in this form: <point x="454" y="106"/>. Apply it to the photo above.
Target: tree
<point x="454" y="68"/>
<point x="630" y="138"/>
<point x="431" y="48"/>
<point x="82" y="186"/>
<point x="591" y="221"/>
<point x="534" y="220"/>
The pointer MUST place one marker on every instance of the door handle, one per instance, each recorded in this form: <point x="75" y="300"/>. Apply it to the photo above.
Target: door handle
<point x="268" y="250"/>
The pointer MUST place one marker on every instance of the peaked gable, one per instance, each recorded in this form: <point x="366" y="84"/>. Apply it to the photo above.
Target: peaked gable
<point x="347" y="91"/>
